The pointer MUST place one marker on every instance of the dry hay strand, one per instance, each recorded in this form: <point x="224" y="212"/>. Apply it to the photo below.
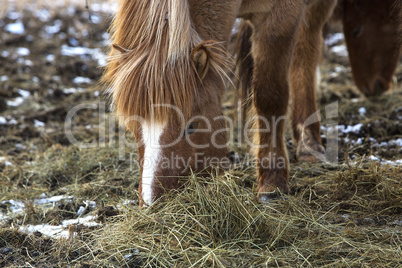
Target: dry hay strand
<point x="218" y="223"/>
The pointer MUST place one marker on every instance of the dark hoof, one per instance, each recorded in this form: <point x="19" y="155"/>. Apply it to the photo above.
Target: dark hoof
<point x="272" y="196"/>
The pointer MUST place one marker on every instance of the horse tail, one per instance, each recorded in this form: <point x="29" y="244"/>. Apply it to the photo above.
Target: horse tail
<point x="244" y="68"/>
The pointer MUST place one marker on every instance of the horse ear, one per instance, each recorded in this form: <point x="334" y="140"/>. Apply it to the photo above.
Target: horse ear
<point x="200" y="58"/>
<point x="119" y="48"/>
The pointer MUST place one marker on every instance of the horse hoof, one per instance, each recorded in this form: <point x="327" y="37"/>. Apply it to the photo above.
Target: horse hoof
<point x="271" y="196"/>
<point x="311" y="153"/>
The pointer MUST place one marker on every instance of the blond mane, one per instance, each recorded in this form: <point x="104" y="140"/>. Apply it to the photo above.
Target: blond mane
<point x="155" y="67"/>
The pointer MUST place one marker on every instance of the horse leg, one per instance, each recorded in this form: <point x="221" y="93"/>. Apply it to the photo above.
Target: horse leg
<point x="272" y="45"/>
<point x="303" y="81"/>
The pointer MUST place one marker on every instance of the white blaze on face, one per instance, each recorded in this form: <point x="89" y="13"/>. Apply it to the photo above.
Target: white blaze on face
<point x="151" y="134"/>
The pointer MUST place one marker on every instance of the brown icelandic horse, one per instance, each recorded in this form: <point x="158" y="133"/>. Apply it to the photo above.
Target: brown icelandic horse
<point x="373" y="34"/>
<point x="166" y="78"/>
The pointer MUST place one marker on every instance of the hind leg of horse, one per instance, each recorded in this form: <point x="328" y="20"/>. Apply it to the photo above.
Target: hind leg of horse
<point x="307" y="52"/>
<point x="272" y="44"/>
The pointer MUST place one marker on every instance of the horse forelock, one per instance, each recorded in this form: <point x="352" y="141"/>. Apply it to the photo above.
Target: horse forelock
<point x="154" y="77"/>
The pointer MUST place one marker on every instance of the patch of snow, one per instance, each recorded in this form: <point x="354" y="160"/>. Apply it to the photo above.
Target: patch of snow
<point x="5" y="161"/>
<point x="96" y="93"/>
<point x="362" y="111"/>
<point x="72" y="90"/>
<point x="5" y="53"/>
<point x="95" y="18"/>
<point x="3" y="120"/>
<point x="88" y="221"/>
<point x="14" y="206"/>
<point x="12" y="121"/>
<point x="397" y="142"/>
<point x="94" y="53"/>
<point x="24" y="62"/>
<point x="23" y="51"/>
<point x="82" y="80"/>
<point x="55" y="28"/>
<point x="46" y="229"/>
<point x="13" y="15"/>
<point x="24" y="93"/>
<point x="345" y="129"/>
<point x="3" y="78"/>
<point x="15" y="28"/>
<point x="80" y="211"/>
<point x="105" y="7"/>
<point x="106" y="39"/>
<point x="333" y="39"/>
<point x="397" y="162"/>
<point x="348" y="129"/>
<point x="53" y="199"/>
<point x="43" y="14"/>
<point x="340" y="50"/>
<point x="38" y="123"/>
<point x="16" y="102"/>
<point x="50" y="57"/>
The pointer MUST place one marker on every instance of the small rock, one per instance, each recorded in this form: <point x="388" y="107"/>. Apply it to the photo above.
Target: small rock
<point x="5" y="250"/>
<point x="35" y="254"/>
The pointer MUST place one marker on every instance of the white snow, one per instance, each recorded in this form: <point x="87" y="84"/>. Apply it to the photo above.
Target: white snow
<point x="334" y="39"/>
<point x="43" y="14"/>
<point x="5" y="53"/>
<point x="38" y="123"/>
<point x="14" y="15"/>
<point x="344" y="129"/>
<point x="82" y="80"/>
<point x="50" y="58"/>
<point x="362" y="111"/>
<point x="15" y="28"/>
<point x="49" y="200"/>
<point x="340" y="50"/>
<point x="24" y="93"/>
<point x="59" y="231"/>
<point x="23" y="51"/>
<point x="3" y="120"/>
<point x="94" y="53"/>
<point x="15" y="102"/>
<point x="397" y="162"/>
<point x="72" y="90"/>
<point x="348" y="129"/>
<point x="55" y="28"/>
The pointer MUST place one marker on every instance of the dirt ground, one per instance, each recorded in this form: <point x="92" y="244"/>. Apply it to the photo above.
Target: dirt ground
<point x="66" y="206"/>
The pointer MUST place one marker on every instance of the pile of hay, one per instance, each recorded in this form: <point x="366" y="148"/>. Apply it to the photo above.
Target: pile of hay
<point x="219" y="223"/>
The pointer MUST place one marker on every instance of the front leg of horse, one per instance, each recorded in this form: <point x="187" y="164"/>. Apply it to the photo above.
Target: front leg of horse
<point x="273" y="41"/>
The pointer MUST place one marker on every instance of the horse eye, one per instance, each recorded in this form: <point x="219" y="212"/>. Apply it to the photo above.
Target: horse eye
<point x="191" y="128"/>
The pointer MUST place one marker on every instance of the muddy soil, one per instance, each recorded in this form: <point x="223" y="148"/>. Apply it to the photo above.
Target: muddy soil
<point x="50" y="100"/>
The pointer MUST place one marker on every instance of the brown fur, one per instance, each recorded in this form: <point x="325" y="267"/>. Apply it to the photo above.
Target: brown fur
<point x="162" y="57"/>
<point x="373" y="41"/>
<point x="157" y="38"/>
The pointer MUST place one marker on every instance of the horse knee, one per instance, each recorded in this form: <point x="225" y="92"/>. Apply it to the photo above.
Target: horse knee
<point x="272" y="103"/>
